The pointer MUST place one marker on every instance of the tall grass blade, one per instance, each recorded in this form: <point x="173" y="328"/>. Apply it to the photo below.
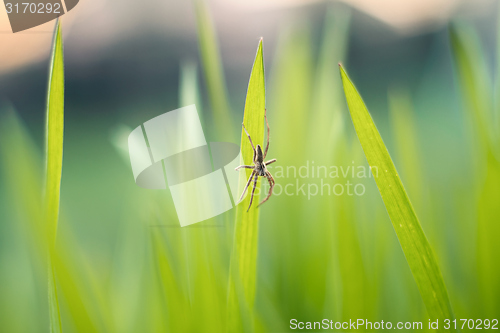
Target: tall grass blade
<point x="416" y="248"/>
<point x="53" y="163"/>
<point x="244" y="255"/>
<point x="54" y="133"/>
<point x="22" y="164"/>
<point x="213" y="72"/>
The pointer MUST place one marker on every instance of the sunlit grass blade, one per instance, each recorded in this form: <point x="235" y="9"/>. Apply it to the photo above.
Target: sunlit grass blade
<point x="41" y="215"/>
<point x="55" y="314"/>
<point x="53" y="162"/>
<point x="244" y="255"/>
<point x="72" y="283"/>
<point x="416" y="248"/>
<point x="54" y="133"/>
<point x="213" y="72"/>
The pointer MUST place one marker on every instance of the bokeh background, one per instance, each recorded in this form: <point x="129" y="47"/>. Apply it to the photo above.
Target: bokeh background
<point x="129" y="267"/>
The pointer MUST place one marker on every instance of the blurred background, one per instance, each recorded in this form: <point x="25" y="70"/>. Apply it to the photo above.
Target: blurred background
<point x="130" y="268"/>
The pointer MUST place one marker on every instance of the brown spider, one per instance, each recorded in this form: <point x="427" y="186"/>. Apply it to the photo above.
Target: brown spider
<point x="259" y="168"/>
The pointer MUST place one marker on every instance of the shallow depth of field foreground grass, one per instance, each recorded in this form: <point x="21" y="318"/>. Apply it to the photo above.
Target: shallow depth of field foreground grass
<point x="344" y="237"/>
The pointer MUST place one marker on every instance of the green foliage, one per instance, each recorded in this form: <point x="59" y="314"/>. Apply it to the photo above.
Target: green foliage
<point x="124" y="265"/>
<point x="473" y="80"/>
<point x="53" y="158"/>
<point x="482" y="114"/>
<point x="54" y="133"/>
<point x="214" y="72"/>
<point x="416" y="248"/>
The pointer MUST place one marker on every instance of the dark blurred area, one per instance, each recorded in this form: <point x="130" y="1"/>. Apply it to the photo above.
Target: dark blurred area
<point x="141" y="67"/>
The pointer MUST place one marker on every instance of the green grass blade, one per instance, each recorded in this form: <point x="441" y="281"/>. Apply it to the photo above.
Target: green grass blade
<point x="474" y="81"/>
<point x="21" y="165"/>
<point x="54" y="133"/>
<point x="213" y="72"/>
<point x="402" y="120"/>
<point x="54" y="155"/>
<point x="477" y="94"/>
<point x="178" y="317"/>
<point x="244" y="256"/>
<point x="55" y="314"/>
<point x="21" y="179"/>
<point x="416" y="248"/>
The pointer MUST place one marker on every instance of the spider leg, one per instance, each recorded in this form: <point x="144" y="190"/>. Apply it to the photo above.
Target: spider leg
<point x="246" y="186"/>
<point x="270" y="161"/>
<point x="253" y="190"/>
<point x="267" y="145"/>
<point x="245" y="167"/>
<point x="250" y="139"/>
<point x="270" y="179"/>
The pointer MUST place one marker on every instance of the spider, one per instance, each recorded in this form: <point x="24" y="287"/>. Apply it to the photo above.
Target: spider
<point x="259" y="168"/>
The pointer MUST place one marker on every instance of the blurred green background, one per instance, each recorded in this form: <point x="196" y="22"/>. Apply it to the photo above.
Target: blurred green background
<point x="429" y="81"/>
